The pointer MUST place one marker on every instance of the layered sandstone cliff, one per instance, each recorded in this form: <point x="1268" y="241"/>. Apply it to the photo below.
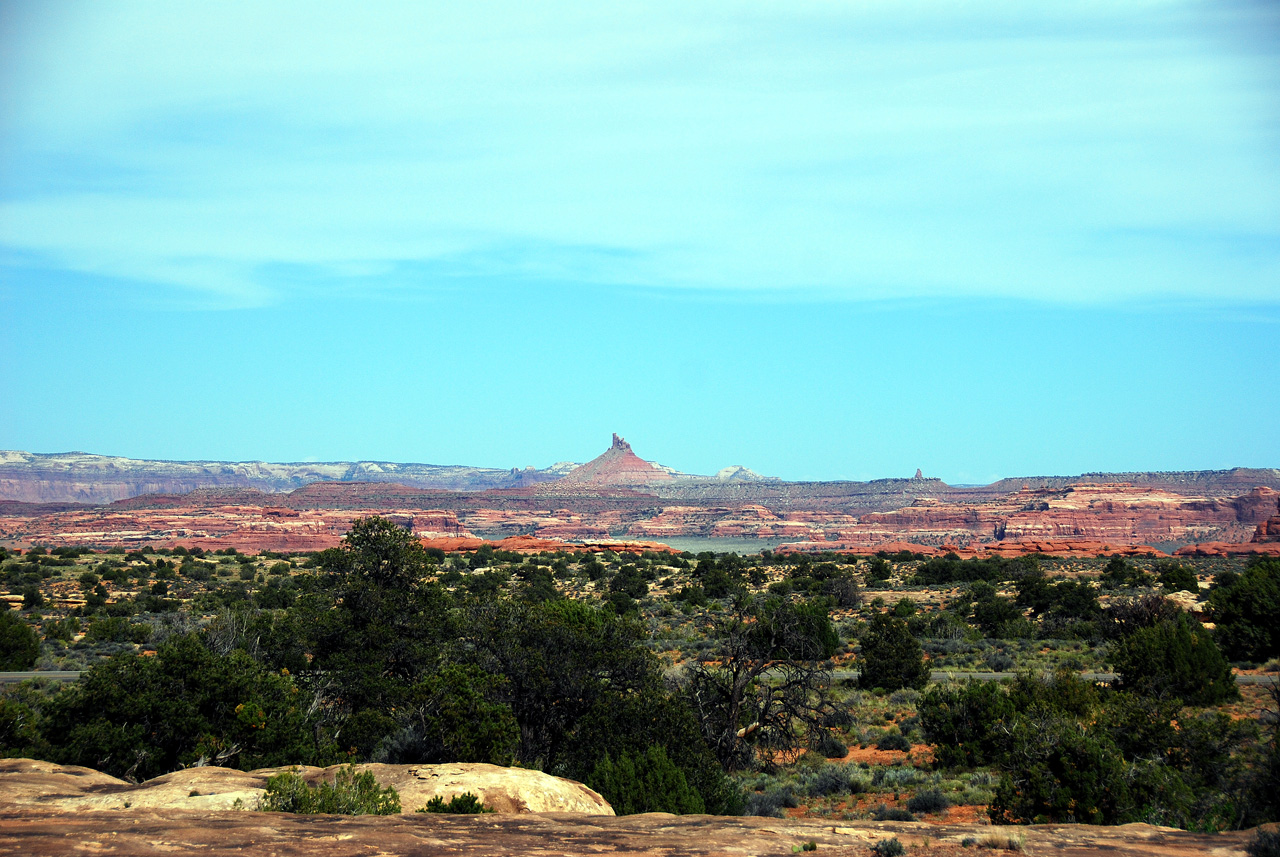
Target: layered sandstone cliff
<point x="315" y="517"/>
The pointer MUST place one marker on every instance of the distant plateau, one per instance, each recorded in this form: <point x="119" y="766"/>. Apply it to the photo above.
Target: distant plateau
<point x="619" y="498"/>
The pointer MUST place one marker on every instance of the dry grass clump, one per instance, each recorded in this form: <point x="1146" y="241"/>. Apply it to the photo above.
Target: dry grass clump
<point x="996" y="842"/>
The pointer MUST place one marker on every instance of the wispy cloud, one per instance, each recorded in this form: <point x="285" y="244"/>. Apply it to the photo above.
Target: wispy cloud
<point x="868" y="151"/>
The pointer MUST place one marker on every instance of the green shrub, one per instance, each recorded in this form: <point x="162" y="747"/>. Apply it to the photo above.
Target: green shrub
<point x="350" y="793"/>
<point x="829" y="780"/>
<point x="141" y="717"/>
<point x="19" y="643"/>
<point x="931" y="800"/>
<point x="1246" y="610"/>
<point x="893" y="740"/>
<point x="879" y="570"/>
<point x="61" y="629"/>
<point x="463" y="804"/>
<point x="962" y="722"/>
<point x="31" y="597"/>
<point x="1056" y="771"/>
<point x="648" y="783"/>
<point x="1174" y="578"/>
<point x="891" y="657"/>
<point x="770" y="803"/>
<point x="826" y="743"/>
<point x="117" y="629"/>
<point x="888" y="848"/>
<point x="1175" y="658"/>
<point x="453" y="719"/>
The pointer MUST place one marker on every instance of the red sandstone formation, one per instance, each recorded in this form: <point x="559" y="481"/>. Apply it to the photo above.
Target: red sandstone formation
<point x="532" y="544"/>
<point x="1117" y="514"/>
<point x="1268" y="530"/>
<point x="1090" y="517"/>
<point x="1004" y="549"/>
<point x="1229" y="549"/>
<point x="617" y="465"/>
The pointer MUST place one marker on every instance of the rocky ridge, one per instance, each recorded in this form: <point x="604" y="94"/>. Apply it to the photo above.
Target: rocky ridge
<point x="79" y="477"/>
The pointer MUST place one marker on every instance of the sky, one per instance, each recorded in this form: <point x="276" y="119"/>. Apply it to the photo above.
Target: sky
<point x="821" y="240"/>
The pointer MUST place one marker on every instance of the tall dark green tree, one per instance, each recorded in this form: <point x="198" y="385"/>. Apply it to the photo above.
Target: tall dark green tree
<point x="891" y="657"/>
<point x="19" y="643"/>
<point x="581" y="686"/>
<point x="1174" y="658"/>
<point x="377" y="624"/>
<point x="1246" y="611"/>
<point x="557" y="659"/>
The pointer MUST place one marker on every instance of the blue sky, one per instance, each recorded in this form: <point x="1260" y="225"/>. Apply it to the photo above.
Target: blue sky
<point x="823" y="240"/>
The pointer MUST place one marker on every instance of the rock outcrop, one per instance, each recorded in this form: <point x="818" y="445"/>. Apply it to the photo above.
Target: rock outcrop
<point x="68" y="788"/>
<point x="617" y="465"/>
<point x="1267" y="531"/>
<point x="737" y="472"/>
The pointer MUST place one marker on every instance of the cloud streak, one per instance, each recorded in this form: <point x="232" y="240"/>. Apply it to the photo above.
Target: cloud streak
<point x="1109" y="152"/>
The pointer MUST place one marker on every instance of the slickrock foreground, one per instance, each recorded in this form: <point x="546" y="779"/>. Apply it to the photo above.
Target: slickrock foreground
<point x="35" y="832"/>
<point x="48" y="809"/>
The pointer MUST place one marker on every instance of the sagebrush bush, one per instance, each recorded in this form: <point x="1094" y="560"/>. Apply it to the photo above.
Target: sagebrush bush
<point x="931" y="800"/>
<point x="894" y="778"/>
<point x="770" y="803"/>
<point x="350" y="793"/>
<point x="888" y="848"/>
<point x="1001" y="842"/>
<point x="828" y="780"/>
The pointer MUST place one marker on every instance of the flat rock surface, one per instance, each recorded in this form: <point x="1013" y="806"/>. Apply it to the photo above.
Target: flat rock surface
<point x="33" y="832"/>
<point x="64" y="809"/>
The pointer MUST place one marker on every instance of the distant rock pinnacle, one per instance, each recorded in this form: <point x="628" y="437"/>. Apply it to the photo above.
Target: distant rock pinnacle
<point x="617" y="465"/>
